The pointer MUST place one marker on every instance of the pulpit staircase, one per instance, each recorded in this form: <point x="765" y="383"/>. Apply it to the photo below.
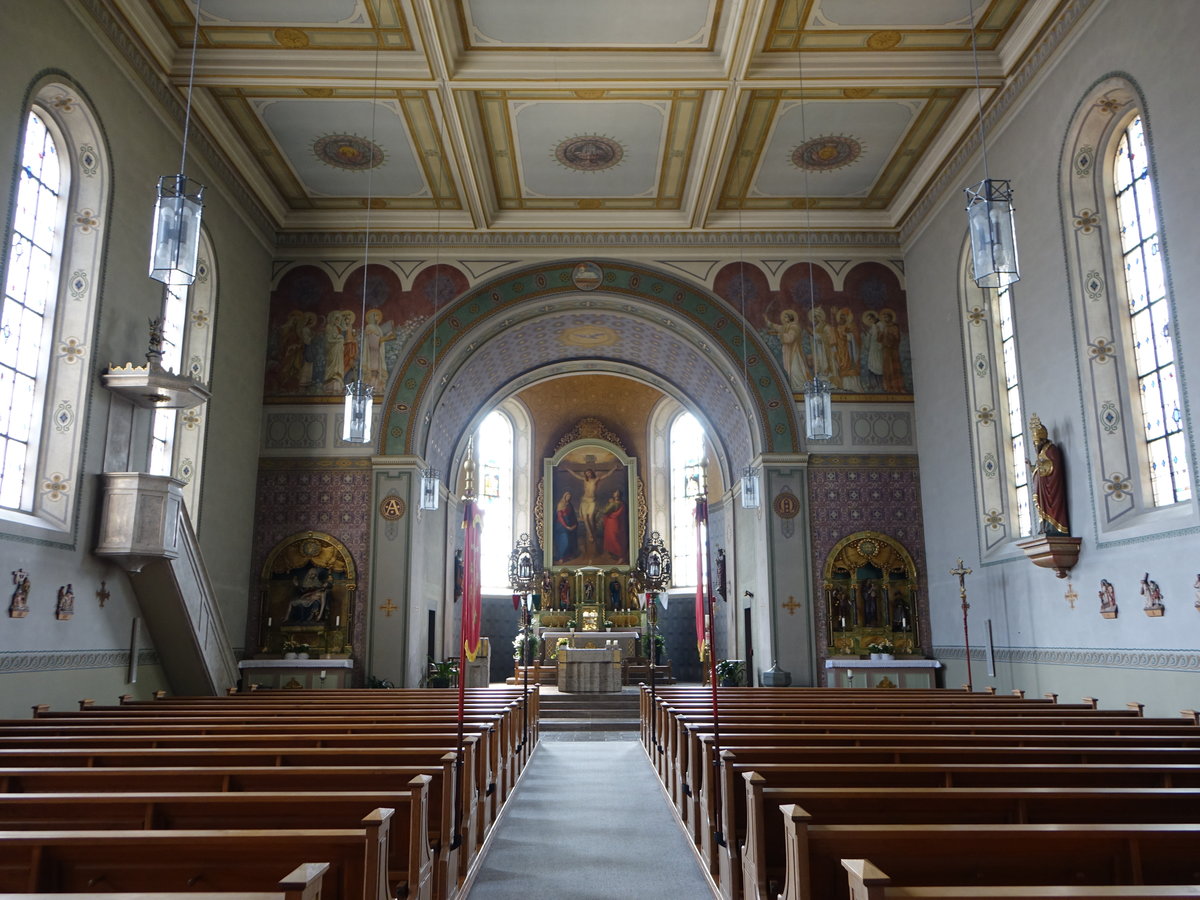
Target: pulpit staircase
<point x="588" y="712"/>
<point x="145" y="528"/>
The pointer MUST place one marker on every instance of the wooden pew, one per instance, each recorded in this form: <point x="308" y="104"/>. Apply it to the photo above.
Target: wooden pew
<point x="303" y="783"/>
<point x="867" y="882"/>
<point x="302" y="883"/>
<point x="409" y="861"/>
<point x="230" y="859"/>
<point x="981" y="854"/>
<point x="490" y="756"/>
<point x="995" y="730"/>
<point x="748" y="825"/>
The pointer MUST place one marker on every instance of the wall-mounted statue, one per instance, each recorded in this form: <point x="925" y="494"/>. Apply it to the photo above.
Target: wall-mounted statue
<point x="1049" y="482"/>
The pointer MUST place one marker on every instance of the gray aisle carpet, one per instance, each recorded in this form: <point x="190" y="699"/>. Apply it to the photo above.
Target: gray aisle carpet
<point x="589" y="822"/>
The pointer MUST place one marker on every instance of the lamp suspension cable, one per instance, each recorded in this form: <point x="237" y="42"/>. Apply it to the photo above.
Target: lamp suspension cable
<point x="750" y="496"/>
<point x="360" y="395"/>
<point x="989" y="204"/>
<point x="430" y="479"/>
<point x="187" y="108"/>
<point x="818" y="399"/>
<point x="179" y="205"/>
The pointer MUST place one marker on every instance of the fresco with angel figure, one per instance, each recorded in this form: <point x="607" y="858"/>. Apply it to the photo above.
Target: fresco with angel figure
<point x="321" y="335"/>
<point x="853" y="331"/>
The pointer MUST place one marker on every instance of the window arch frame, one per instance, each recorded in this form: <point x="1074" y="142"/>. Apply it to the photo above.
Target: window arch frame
<point x="1118" y="475"/>
<point x="57" y="463"/>
<point x="996" y="489"/>
<point x="199" y="333"/>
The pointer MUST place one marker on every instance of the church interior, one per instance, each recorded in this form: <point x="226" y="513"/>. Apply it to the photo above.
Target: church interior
<point x="752" y="195"/>
<point x="835" y="344"/>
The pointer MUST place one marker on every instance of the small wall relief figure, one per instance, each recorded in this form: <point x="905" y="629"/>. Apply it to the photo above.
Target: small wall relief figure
<point x="19" y="608"/>
<point x="66" y="603"/>
<point x="1154" y="598"/>
<point x="1197" y="588"/>
<point x="1108" y="599"/>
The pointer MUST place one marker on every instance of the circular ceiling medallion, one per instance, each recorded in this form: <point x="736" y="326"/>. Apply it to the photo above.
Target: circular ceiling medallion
<point x="589" y="336"/>
<point x="348" y="151"/>
<point x="826" y="153"/>
<point x="589" y="153"/>
<point x="587" y="276"/>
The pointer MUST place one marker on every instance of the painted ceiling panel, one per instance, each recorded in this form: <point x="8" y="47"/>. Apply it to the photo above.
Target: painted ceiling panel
<point x="500" y="24"/>
<point x="297" y="12"/>
<point x="335" y="145"/>
<point x="888" y="14"/>
<point x="843" y="154"/>
<point x="564" y="115"/>
<point x="601" y="149"/>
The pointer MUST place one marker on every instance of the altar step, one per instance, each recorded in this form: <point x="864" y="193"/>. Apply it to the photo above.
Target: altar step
<point x="588" y="712"/>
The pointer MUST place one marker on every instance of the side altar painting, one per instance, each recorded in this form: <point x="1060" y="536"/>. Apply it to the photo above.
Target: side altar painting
<point x="307" y="596"/>
<point x="319" y="337"/>
<point x="852" y="332"/>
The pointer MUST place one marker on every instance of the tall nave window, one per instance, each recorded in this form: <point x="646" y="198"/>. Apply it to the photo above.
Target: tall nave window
<point x="1150" y="320"/>
<point x="687" y="449"/>
<point x="30" y="293"/>
<point x="1002" y="306"/>
<point x="494" y="441"/>
<point x="162" y="442"/>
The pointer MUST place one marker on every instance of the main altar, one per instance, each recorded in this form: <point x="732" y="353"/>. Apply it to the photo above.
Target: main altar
<point x="590" y="516"/>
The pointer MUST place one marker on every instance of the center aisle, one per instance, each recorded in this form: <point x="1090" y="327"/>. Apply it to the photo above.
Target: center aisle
<point x="589" y="821"/>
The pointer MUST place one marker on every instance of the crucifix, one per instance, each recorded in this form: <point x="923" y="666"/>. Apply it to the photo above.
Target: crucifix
<point x="791" y="606"/>
<point x="389" y="607"/>
<point x="962" y="574"/>
<point x="103" y="594"/>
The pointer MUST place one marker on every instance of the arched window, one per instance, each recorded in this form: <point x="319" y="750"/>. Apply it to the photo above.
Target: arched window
<point x="1153" y="355"/>
<point x="177" y="440"/>
<point x="998" y="415"/>
<point x="1137" y="460"/>
<point x="50" y="271"/>
<point x="494" y="450"/>
<point x="30" y="298"/>
<point x="686" y="449"/>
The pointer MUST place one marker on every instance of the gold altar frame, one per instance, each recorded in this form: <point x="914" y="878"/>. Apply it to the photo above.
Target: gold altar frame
<point x="328" y="564"/>
<point x="870" y="595"/>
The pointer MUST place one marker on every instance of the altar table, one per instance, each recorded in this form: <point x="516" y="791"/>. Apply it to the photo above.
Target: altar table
<point x="589" y="670"/>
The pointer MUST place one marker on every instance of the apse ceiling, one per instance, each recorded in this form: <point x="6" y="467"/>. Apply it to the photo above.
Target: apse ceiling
<point x="528" y="115"/>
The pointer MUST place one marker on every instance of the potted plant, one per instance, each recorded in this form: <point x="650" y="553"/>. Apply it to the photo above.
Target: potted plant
<point x="560" y="643"/>
<point x="660" y="648"/>
<point x="881" y="648"/>
<point x="730" y="672"/>
<point x="442" y="674"/>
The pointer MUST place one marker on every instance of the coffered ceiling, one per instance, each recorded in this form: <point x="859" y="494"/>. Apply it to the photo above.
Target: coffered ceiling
<point x="587" y="115"/>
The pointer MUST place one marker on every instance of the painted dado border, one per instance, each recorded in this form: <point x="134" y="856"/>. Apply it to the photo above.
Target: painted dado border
<point x="1156" y="660"/>
<point x="60" y="660"/>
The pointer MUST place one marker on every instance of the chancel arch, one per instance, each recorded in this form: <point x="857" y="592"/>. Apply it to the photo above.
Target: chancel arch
<point x="629" y="314"/>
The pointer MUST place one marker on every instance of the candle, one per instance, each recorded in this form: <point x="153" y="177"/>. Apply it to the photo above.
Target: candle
<point x="337" y="622"/>
<point x="904" y="623"/>
<point x="843" y="623"/>
<point x="269" y="621"/>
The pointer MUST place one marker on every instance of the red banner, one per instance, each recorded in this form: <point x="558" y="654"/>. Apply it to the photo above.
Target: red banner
<point x="701" y="519"/>
<point x="472" y="609"/>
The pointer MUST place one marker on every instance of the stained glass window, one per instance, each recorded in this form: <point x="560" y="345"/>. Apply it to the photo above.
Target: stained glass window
<point x="1153" y="351"/>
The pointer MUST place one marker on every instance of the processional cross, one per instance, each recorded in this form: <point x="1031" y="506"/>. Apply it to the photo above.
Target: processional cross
<point x="962" y="574"/>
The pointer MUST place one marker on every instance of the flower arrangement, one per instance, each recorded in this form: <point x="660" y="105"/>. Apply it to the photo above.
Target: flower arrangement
<point x="290" y="645"/>
<point x="881" y="645"/>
